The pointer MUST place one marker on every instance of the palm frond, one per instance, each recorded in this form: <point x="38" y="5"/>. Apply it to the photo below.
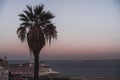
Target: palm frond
<point x="38" y="9"/>
<point x="21" y="32"/>
<point x="23" y="18"/>
<point x="22" y="15"/>
<point x="29" y="15"/>
<point x="29" y="8"/>
<point x="46" y="16"/>
<point x="50" y="32"/>
<point x="26" y="24"/>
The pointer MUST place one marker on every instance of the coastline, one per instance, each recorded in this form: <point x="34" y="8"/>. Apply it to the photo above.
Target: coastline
<point x="85" y="70"/>
<point x="67" y="78"/>
<point x="95" y="78"/>
<point x="81" y="78"/>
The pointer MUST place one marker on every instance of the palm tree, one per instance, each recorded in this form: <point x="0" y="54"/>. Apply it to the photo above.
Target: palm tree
<point x="37" y="29"/>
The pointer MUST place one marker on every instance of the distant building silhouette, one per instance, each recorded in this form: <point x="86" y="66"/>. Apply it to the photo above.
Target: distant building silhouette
<point x="4" y="72"/>
<point x="5" y="62"/>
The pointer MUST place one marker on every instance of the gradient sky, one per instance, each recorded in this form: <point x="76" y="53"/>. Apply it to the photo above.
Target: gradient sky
<point x="87" y="29"/>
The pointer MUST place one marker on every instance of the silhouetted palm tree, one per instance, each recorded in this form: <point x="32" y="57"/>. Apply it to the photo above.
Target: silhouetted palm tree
<point x="38" y="29"/>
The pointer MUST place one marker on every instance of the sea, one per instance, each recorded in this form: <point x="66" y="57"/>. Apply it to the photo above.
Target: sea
<point x="77" y="68"/>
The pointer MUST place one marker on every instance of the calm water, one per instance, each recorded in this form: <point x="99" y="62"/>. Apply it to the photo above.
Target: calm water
<point x="85" y="68"/>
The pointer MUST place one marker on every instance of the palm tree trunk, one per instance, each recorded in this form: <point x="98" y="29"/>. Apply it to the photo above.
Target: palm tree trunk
<point x="36" y="67"/>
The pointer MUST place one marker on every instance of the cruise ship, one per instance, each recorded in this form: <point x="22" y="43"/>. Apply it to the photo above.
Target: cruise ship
<point x="27" y="69"/>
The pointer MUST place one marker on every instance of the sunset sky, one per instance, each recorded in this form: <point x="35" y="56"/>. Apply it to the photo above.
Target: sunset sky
<point x="87" y="29"/>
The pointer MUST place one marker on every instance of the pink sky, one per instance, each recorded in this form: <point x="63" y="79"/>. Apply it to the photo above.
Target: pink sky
<point x="86" y="29"/>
